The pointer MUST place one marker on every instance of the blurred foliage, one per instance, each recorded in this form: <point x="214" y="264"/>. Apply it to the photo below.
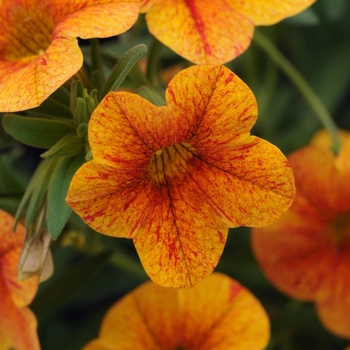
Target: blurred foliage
<point x="93" y="271"/>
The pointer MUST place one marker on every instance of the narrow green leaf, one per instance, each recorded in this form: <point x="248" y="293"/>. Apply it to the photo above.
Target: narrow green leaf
<point x="29" y="190"/>
<point x="82" y="130"/>
<point x="40" y="185"/>
<point x="151" y="95"/>
<point x="5" y="138"/>
<point x="58" y="210"/>
<point x="73" y="96"/>
<point x="81" y="111"/>
<point x="36" y="132"/>
<point x="69" y="146"/>
<point x="122" y="68"/>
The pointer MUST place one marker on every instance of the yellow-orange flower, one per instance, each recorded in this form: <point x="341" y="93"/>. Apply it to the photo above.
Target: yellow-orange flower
<point x="17" y="322"/>
<point x="213" y="32"/>
<point x="306" y="254"/>
<point x="174" y="178"/>
<point x="217" y="314"/>
<point x="38" y="46"/>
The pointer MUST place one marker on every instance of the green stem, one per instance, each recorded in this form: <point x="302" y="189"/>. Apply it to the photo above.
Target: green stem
<point x="304" y="87"/>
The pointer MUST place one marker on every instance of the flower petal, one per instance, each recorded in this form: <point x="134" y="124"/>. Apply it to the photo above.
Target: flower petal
<point x="328" y="189"/>
<point x="221" y="314"/>
<point x="204" y="33"/>
<point x="30" y="72"/>
<point x="293" y="254"/>
<point x="250" y="184"/>
<point x="111" y="202"/>
<point x="300" y="251"/>
<point x="265" y="12"/>
<point x="21" y="292"/>
<point x="144" y="319"/>
<point x="26" y="82"/>
<point x="17" y="322"/>
<point x="182" y="239"/>
<point x="334" y="308"/>
<point x="17" y="325"/>
<point x="211" y="105"/>
<point x="217" y="313"/>
<point x="94" y="18"/>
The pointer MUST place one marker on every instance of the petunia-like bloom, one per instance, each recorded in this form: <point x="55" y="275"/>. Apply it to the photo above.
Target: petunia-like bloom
<point x="38" y="43"/>
<point x="213" y="32"/>
<point x="217" y="314"/>
<point x="17" y="322"/>
<point x="175" y="177"/>
<point x="306" y="254"/>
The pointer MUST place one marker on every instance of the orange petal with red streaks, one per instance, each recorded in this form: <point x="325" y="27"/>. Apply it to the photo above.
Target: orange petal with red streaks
<point x="94" y="18"/>
<point x="204" y="33"/>
<point x="21" y="292"/>
<point x="218" y="311"/>
<point x="211" y="106"/>
<point x="328" y="189"/>
<point x="248" y="184"/>
<point x="41" y="51"/>
<point x="221" y="314"/>
<point x="111" y="202"/>
<point x="334" y="306"/>
<point x="266" y="12"/>
<point x="17" y="322"/>
<point x="26" y="82"/>
<point x="182" y="239"/>
<point x="293" y="253"/>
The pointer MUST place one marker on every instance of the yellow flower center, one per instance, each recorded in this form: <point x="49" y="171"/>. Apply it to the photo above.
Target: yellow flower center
<point x="339" y="230"/>
<point x="28" y="33"/>
<point x="170" y="162"/>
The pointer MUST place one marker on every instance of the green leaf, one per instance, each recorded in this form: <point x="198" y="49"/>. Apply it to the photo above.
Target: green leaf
<point x="69" y="146"/>
<point x="58" y="210"/>
<point x="151" y="95"/>
<point x="122" y="68"/>
<point x="81" y="111"/>
<point x="5" y="138"/>
<point x="82" y="130"/>
<point x="28" y="192"/>
<point x="36" y="132"/>
<point x="40" y="185"/>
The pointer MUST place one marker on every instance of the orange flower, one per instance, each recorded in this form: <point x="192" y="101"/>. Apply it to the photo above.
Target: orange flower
<point x="17" y="322"/>
<point x="213" y="32"/>
<point x="306" y="253"/>
<point x="38" y="46"/>
<point x="216" y="314"/>
<point x="175" y="177"/>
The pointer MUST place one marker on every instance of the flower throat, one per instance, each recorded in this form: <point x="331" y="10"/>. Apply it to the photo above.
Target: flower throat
<point x="170" y="162"/>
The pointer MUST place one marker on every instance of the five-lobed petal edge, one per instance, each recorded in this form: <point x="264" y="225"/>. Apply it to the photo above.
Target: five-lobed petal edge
<point x="218" y="313"/>
<point x="178" y="211"/>
<point x="306" y="253"/>
<point x="213" y="32"/>
<point x="17" y="323"/>
<point x="38" y="43"/>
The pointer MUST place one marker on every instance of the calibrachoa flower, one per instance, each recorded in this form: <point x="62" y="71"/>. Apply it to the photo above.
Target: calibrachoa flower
<point x="38" y="43"/>
<point x="213" y="32"/>
<point x="217" y="314"/>
<point x="306" y="254"/>
<point x="174" y="178"/>
<point x="17" y="322"/>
